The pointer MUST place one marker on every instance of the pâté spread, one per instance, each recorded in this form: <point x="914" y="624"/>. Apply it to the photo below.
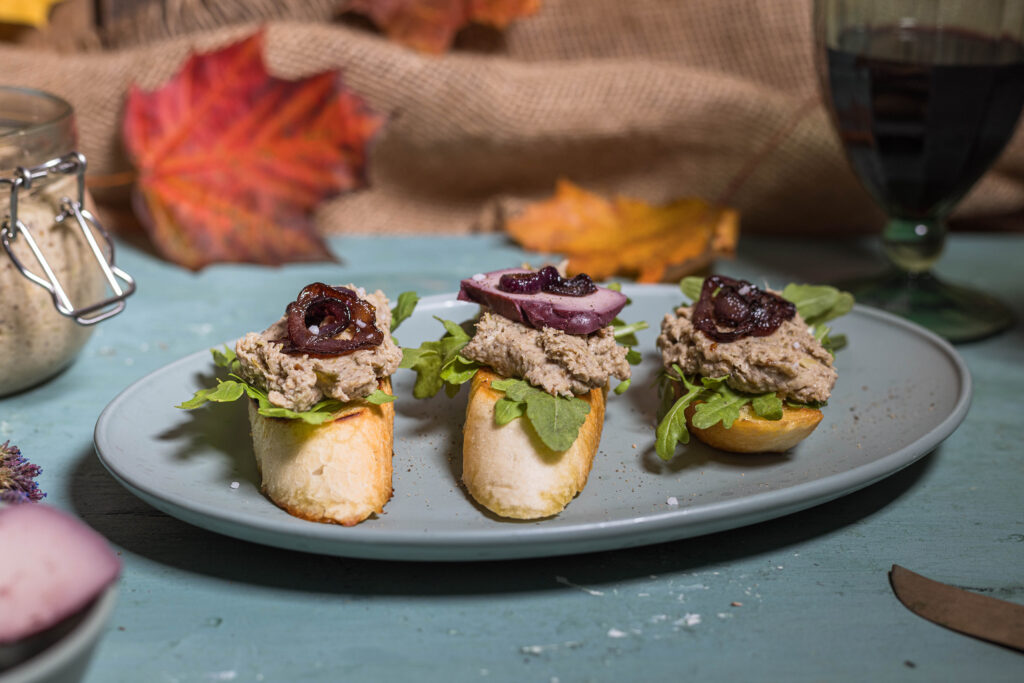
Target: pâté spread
<point x="332" y="342"/>
<point x="758" y="357"/>
<point x="553" y="332"/>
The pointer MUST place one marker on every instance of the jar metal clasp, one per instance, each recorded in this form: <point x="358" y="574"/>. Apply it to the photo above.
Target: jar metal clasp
<point x="121" y="283"/>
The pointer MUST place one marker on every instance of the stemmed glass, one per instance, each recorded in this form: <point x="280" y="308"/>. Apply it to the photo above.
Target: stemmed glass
<point x="924" y="95"/>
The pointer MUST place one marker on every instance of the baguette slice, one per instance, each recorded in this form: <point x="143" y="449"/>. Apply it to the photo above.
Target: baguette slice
<point x="509" y="470"/>
<point x="337" y="472"/>
<point x="754" y="434"/>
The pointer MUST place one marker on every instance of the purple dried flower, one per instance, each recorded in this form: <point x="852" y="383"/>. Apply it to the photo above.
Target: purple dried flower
<point x="17" y="476"/>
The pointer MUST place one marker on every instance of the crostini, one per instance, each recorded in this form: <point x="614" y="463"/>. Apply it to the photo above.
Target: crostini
<point x="540" y="359"/>
<point x="747" y="370"/>
<point x="320" y="411"/>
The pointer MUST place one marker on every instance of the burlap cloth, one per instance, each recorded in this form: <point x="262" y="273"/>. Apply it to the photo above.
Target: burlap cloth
<point x="654" y="99"/>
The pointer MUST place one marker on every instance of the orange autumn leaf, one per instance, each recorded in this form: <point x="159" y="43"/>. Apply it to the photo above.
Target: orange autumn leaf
<point x="500" y="13"/>
<point x="430" y="25"/>
<point x="626" y="237"/>
<point x="232" y="161"/>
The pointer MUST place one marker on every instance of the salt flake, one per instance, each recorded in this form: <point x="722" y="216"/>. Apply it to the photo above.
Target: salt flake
<point x="688" y="620"/>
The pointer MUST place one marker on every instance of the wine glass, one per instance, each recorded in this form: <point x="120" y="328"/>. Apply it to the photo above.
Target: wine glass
<point x="924" y="95"/>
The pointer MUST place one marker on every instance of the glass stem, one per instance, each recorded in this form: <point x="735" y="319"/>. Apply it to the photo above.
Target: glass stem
<point x="914" y="245"/>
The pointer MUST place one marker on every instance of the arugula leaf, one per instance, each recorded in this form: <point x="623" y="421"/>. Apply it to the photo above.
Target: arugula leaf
<point x="625" y="334"/>
<point x="672" y="427"/>
<point x="720" y="405"/>
<point x="224" y="392"/>
<point x="691" y="286"/>
<point x="459" y="370"/>
<point x="833" y="342"/>
<point x="403" y="308"/>
<point x="818" y="304"/>
<point x="438" y="363"/>
<point x="321" y="412"/>
<point x="556" y="419"/>
<point x="621" y="387"/>
<point x="379" y="397"/>
<point x="714" y="402"/>
<point x="454" y="331"/>
<point x="768" y="406"/>
<point x="225" y="359"/>
<point x="229" y="390"/>
<point x="426" y="362"/>
<point x="507" y="409"/>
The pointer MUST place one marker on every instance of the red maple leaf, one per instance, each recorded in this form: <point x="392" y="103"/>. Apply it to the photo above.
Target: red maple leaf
<point x="232" y="161"/>
<point x="430" y="25"/>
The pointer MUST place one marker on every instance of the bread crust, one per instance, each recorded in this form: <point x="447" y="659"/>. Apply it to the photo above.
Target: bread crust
<point x="509" y="470"/>
<point x="751" y="433"/>
<point x="337" y="472"/>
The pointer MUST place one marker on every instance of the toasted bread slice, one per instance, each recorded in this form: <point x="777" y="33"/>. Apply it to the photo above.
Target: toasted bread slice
<point x="753" y="434"/>
<point x="337" y="472"/>
<point x="509" y="470"/>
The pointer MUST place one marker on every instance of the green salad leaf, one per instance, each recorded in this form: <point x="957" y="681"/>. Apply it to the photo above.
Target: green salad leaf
<point x="768" y="406"/>
<point x="691" y="286"/>
<point x="625" y="334"/>
<point x="233" y="388"/>
<point x="556" y="419"/>
<point x="720" y="404"/>
<point x="438" y="364"/>
<point x="507" y="409"/>
<point x="818" y="304"/>
<point x="404" y="307"/>
<point x="715" y="402"/>
<point x="672" y="427"/>
<point x="379" y="397"/>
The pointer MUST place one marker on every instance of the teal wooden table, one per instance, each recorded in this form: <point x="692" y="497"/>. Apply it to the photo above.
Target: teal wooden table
<point x="801" y="598"/>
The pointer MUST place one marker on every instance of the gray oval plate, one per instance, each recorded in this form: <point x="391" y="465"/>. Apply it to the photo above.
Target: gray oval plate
<point x="901" y="391"/>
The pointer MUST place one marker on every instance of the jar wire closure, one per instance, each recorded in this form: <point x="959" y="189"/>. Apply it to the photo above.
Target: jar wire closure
<point x="121" y="284"/>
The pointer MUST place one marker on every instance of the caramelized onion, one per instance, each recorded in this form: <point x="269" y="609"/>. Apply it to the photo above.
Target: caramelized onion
<point x="548" y="280"/>
<point x="331" y="311"/>
<point x="740" y="307"/>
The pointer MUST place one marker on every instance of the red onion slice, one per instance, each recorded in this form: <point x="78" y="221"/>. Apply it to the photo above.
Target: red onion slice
<point x="53" y="565"/>
<point x="572" y="314"/>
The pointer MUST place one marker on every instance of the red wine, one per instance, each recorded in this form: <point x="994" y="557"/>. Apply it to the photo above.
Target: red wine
<point x="922" y="113"/>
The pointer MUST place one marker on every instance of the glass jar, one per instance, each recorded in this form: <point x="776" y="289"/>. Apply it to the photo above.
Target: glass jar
<point x="56" y="269"/>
